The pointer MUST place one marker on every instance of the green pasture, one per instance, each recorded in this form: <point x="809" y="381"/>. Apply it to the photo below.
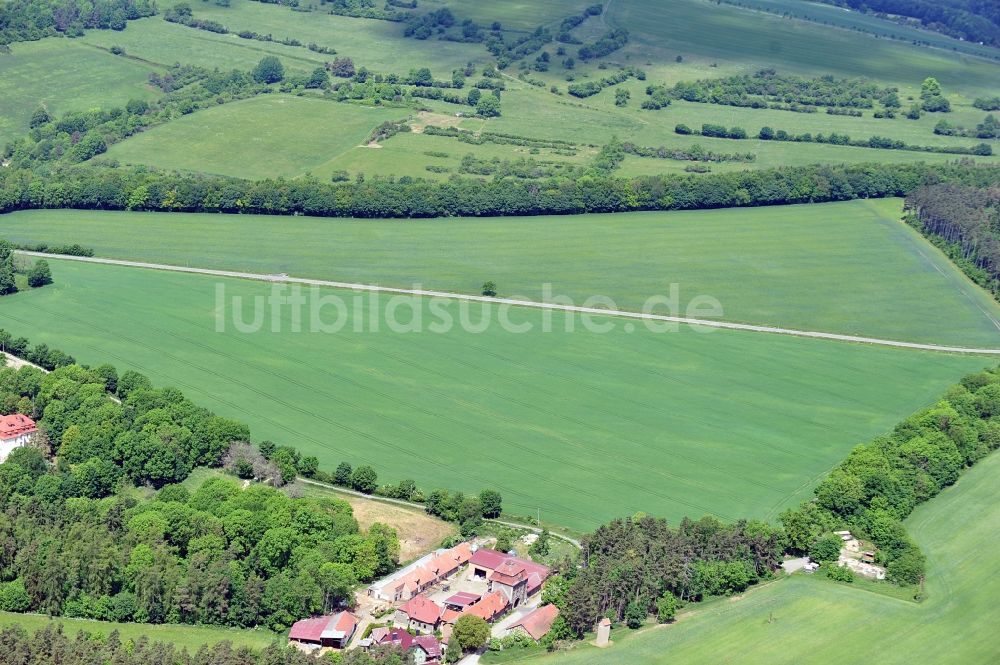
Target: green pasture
<point x="407" y="154"/>
<point x="734" y="36"/>
<point x="830" y="15"/>
<point x="849" y="267"/>
<point x="266" y="136"/>
<point x="191" y="637"/>
<point x="64" y="75"/>
<point x="583" y="425"/>
<point x="376" y="44"/>
<point x="813" y="620"/>
<point x="159" y="41"/>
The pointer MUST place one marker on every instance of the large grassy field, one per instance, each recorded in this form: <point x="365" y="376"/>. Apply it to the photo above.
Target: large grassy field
<point x="378" y="45"/>
<point x="731" y="35"/>
<point x="811" y="620"/>
<point x="192" y="637"/>
<point x="64" y="75"/>
<point x="583" y="425"/>
<point x="268" y="136"/>
<point x="841" y="267"/>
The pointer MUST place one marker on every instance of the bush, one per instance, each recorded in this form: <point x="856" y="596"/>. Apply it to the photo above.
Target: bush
<point x="826" y="548"/>
<point x="269" y="70"/>
<point x="13" y="597"/>
<point x="840" y="573"/>
<point x="666" y="607"/>
<point x="635" y="614"/>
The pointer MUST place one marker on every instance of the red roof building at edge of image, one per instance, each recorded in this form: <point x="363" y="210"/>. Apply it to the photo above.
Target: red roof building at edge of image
<point x="16" y="424"/>
<point x="334" y="630"/>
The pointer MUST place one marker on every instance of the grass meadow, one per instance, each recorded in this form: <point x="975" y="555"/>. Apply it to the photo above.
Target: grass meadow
<point x="266" y="136"/>
<point x="812" y="620"/>
<point x="64" y="75"/>
<point x="192" y="637"/>
<point x="583" y="425"/>
<point x="849" y="267"/>
<point x="729" y="35"/>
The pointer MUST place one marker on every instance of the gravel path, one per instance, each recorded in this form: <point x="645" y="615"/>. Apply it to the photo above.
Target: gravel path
<point x="660" y="318"/>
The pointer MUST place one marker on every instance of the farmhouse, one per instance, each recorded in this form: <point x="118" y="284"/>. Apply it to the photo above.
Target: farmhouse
<point x="515" y="578"/>
<point x="419" y="613"/>
<point x="426" y="649"/>
<point x="422" y="574"/>
<point x="326" y="631"/>
<point x="537" y="624"/>
<point x="15" y="431"/>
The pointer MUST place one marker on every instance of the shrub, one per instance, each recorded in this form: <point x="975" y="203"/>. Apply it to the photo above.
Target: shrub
<point x="826" y="548"/>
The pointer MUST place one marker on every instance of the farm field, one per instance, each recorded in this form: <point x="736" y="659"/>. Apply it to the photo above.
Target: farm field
<point x="804" y="619"/>
<point x="837" y="16"/>
<point x="378" y="45"/>
<point x="192" y="637"/>
<point x="849" y="267"/>
<point x="64" y="75"/>
<point x="266" y="136"/>
<point x="731" y="35"/>
<point x="533" y="414"/>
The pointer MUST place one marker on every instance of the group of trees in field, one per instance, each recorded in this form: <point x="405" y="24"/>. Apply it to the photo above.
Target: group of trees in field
<point x="78" y="543"/>
<point x="989" y="128"/>
<point x="606" y="44"/>
<point x="633" y="567"/>
<point x="965" y="223"/>
<point x="768" y="89"/>
<point x="92" y="187"/>
<point x="694" y="154"/>
<point x="37" y="275"/>
<point x="564" y="33"/>
<point x="30" y="20"/>
<point x="52" y="644"/>
<point x="589" y="88"/>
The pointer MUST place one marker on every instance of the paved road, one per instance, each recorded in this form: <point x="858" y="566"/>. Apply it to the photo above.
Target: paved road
<point x="660" y="318"/>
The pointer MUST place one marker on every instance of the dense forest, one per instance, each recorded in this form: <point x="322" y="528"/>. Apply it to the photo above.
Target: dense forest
<point x="141" y="189"/>
<point x="965" y="223"/>
<point x="78" y="542"/>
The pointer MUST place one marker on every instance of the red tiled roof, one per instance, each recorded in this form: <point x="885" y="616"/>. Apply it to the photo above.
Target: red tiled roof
<point x="488" y="558"/>
<point x="338" y="626"/>
<point x="489" y="607"/>
<point x="450" y="616"/>
<point x="396" y="636"/>
<point x="430" y="645"/>
<point x="539" y="622"/>
<point x="510" y="565"/>
<point x="309" y="629"/>
<point x="422" y="609"/>
<point x="14" y="425"/>
<point x="462" y="599"/>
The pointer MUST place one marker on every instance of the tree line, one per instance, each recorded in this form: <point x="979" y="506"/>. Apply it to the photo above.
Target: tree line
<point x="94" y="187"/>
<point x="768" y="89"/>
<point x="963" y="221"/>
<point x="971" y="20"/>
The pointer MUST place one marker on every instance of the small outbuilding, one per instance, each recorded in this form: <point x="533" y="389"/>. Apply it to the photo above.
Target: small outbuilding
<point x="538" y="623"/>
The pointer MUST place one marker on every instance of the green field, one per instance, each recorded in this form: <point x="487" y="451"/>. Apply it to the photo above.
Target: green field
<point x="64" y="75"/>
<point x="734" y="36"/>
<point x="812" y="620"/>
<point x="267" y="136"/>
<point x="378" y="45"/>
<point x="583" y="425"/>
<point x="191" y="637"/>
<point x="840" y="267"/>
